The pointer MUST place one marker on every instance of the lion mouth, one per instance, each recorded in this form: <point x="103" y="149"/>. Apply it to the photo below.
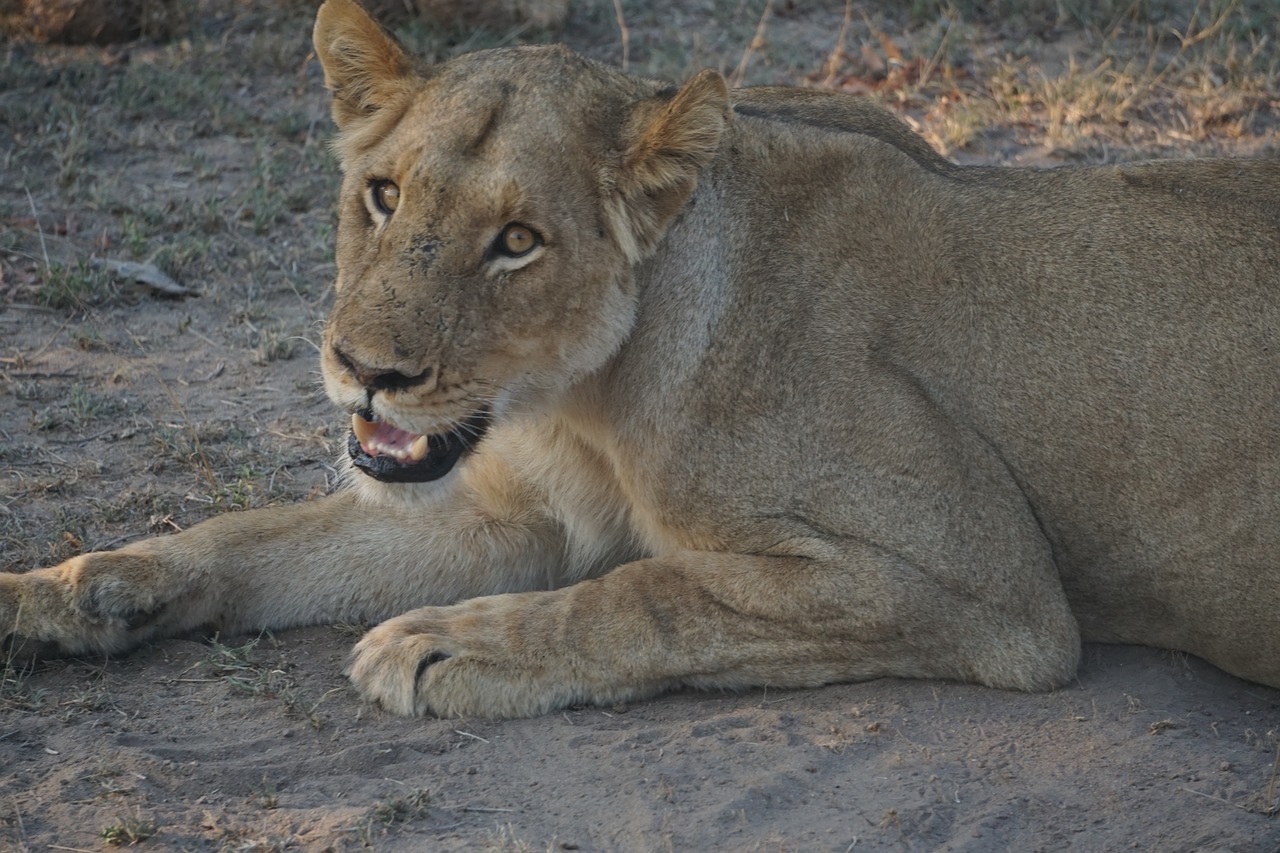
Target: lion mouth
<point x="394" y="455"/>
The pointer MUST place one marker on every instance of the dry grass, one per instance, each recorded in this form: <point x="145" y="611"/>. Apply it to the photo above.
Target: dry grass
<point x="1086" y="81"/>
<point x="129" y="830"/>
<point x="16" y="691"/>
<point x="239" y="667"/>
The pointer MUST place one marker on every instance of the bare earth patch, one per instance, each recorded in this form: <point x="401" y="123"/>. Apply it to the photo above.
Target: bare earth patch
<point x="127" y="410"/>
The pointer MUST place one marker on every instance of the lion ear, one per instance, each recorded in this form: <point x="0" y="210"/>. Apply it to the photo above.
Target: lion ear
<point x="364" y="66"/>
<point x="666" y="141"/>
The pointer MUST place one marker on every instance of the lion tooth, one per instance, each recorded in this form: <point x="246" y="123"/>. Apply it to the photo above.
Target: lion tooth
<point x="418" y="449"/>
<point x="363" y="429"/>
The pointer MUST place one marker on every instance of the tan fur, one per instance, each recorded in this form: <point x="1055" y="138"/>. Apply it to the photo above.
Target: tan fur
<point x="782" y="398"/>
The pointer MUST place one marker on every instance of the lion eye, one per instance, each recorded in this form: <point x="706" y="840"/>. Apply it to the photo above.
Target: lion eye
<point x="386" y="196"/>
<point x="517" y="240"/>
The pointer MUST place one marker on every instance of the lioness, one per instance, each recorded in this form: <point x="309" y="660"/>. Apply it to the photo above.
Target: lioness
<point x="655" y="387"/>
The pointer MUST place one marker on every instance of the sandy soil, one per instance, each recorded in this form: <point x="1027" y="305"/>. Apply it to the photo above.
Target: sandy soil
<point x="125" y="414"/>
<point x="1148" y="751"/>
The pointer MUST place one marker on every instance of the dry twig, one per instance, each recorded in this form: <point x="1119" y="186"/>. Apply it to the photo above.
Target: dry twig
<point x="624" y="32"/>
<point x="837" y="52"/>
<point x="757" y="42"/>
<point x="146" y="274"/>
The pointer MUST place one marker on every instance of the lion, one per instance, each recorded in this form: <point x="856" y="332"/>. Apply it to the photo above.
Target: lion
<point x="658" y="387"/>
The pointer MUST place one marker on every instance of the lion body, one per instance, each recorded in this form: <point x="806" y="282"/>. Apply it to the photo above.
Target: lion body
<point x="778" y="396"/>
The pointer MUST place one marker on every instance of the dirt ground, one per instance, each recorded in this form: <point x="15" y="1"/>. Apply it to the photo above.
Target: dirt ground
<point x="126" y="411"/>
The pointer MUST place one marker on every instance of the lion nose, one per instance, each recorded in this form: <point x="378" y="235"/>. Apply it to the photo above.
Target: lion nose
<point x="378" y="378"/>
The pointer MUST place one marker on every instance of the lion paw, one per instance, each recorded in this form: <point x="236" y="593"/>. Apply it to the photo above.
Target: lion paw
<point x="386" y="665"/>
<point x="23" y="634"/>
<point x="460" y="661"/>
<point x="8" y="610"/>
<point x="87" y="604"/>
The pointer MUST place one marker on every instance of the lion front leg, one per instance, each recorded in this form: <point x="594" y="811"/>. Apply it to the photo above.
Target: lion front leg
<point x="694" y="618"/>
<point x="710" y="621"/>
<point x="335" y="559"/>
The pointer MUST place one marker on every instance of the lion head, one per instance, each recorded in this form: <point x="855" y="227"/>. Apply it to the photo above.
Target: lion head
<point x="491" y="211"/>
